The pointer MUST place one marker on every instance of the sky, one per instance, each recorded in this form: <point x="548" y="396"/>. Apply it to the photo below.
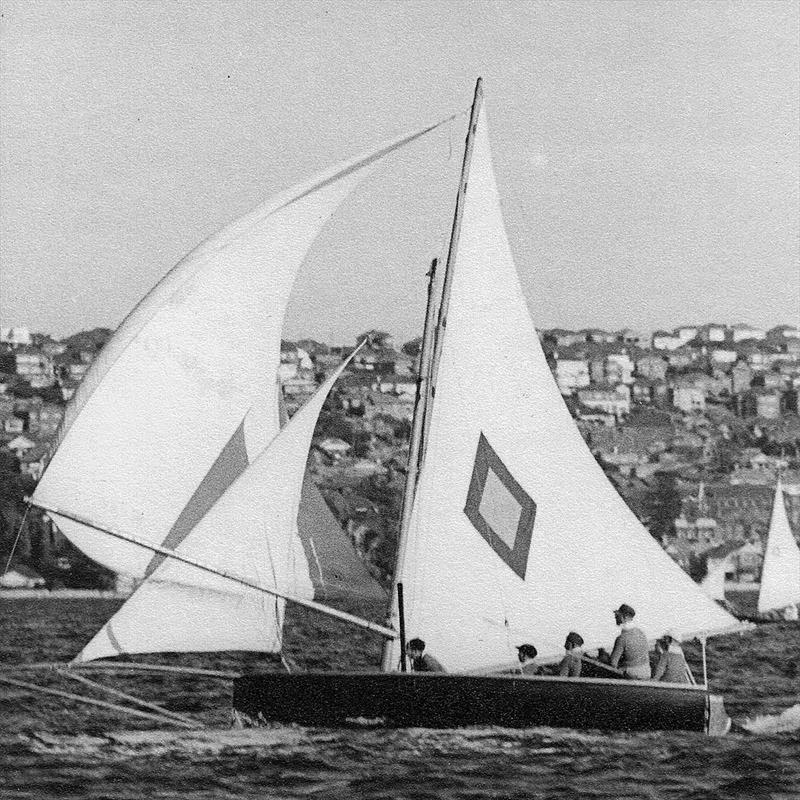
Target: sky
<point x="647" y="154"/>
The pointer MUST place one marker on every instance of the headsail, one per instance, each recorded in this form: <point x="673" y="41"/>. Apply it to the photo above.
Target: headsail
<point x="516" y="535"/>
<point x="251" y="532"/>
<point x="182" y="397"/>
<point x="780" y="575"/>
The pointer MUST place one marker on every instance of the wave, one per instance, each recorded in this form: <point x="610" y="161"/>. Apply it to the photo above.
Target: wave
<point x="785" y="722"/>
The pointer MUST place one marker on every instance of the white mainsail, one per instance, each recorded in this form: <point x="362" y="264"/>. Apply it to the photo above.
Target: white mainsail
<point x="516" y="535"/>
<point x="183" y="397"/>
<point x="780" y="575"/>
<point x="251" y="532"/>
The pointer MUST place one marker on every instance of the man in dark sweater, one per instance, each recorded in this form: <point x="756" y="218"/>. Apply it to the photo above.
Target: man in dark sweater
<point x="631" y="651"/>
<point x="420" y="660"/>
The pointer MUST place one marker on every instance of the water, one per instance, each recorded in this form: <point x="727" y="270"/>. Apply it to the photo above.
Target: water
<point x="53" y="748"/>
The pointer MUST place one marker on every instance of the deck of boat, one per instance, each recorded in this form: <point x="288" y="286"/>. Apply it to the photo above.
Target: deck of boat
<point x="446" y="700"/>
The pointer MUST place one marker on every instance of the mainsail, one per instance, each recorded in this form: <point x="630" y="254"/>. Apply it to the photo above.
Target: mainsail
<point x="516" y="534"/>
<point x="251" y="532"/>
<point x="183" y="396"/>
<point x="780" y="575"/>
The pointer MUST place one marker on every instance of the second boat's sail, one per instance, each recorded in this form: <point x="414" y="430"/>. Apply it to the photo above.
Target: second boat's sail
<point x="780" y="575"/>
<point x="516" y="534"/>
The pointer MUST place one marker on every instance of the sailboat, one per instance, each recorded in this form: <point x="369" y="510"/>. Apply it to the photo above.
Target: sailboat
<point x="780" y="573"/>
<point x="173" y="467"/>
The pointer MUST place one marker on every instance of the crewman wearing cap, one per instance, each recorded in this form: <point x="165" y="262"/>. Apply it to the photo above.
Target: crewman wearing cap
<point x="570" y="665"/>
<point x="671" y="666"/>
<point x="631" y="652"/>
<point x="527" y="658"/>
<point x="420" y="660"/>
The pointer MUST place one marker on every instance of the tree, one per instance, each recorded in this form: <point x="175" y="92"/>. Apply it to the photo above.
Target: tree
<point x="663" y="505"/>
<point x="379" y="340"/>
<point x="413" y="348"/>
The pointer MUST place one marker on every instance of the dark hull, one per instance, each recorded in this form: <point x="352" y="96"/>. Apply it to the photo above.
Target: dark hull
<point x="335" y="699"/>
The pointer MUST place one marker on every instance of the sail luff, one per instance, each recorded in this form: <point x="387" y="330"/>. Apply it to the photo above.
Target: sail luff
<point x="452" y="253"/>
<point x="188" y="560"/>
<point x="429" y="361"/>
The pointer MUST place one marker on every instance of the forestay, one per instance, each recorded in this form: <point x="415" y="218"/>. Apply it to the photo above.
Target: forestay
<point x="181" y="608"/>
<point x="516" y="534"/>
<point x="780" y="575"/>
<point x="183" y="396"/>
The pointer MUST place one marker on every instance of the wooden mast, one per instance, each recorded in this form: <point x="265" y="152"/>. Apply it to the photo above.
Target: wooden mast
<point x="429" y="365"/>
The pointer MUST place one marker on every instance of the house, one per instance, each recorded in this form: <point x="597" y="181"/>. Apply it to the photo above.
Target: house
<point x="731" y="564"/>
<point x="562" y="338"/>
<point x="13" y="424"/>
<point x="335" y="448"/>
<point x="614" y="401"/>
<point x="77" y="369"/>
<point x="33" y="462"/>
<point x="396" y="384"/>
<point x="650" y="391"/>
<point x="651" y="366"/>
<point x="31" y="363"/>
<point x="598" y="336"/>
<point x="631" y="338"/>
<point x="688" y="398"/>
<point x="21" y="577"/>
<point x="397" y="406"/>
<point x="721" y="355"/>
<point x="663" y="340"/>
<point x="21" y="445"/>
<point x="618" y="368"/>
<point x="686" y="332"/>
<point x="741" y="375"/>
<point x="15" y="337"/>
<point x="742" y="331"/>
<point x="572" y="374"/>
<point x="712" y="333"/>
<point x="678" y="359"/>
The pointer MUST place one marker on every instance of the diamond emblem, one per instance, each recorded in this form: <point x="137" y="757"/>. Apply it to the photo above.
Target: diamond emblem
<point x="500" y="510"/>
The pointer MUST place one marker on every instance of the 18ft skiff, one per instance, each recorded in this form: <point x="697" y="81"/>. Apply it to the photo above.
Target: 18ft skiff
<point x="173" y="467"/>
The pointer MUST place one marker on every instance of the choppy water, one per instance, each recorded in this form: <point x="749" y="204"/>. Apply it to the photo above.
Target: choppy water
<point x="52" y="748"/>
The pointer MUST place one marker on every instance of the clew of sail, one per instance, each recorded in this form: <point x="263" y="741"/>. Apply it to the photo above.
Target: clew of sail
<point x="180" y="608"/>
<point x="176" y="405"/>
<point x="780" y="575"/>
<point x="516" y="535"/>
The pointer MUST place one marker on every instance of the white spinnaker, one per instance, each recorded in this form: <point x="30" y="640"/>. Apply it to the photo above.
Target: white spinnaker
<point x="250" y="532"/>
<point x="158" y="427"/>
<point x="780" y="575"/>
<point x="588" y="552"/>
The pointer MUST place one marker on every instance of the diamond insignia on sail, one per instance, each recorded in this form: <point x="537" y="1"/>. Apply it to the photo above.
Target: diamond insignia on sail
<point x="500" y="509"/>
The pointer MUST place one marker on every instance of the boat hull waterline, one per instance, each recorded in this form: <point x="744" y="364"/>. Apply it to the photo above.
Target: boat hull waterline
<point x="336" y="699"/>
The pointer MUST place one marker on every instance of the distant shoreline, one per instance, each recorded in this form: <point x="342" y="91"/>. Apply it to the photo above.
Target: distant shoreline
<point x="61" y="594"/>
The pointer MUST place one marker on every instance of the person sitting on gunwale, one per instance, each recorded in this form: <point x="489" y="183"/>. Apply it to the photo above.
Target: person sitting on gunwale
<point x="631" y="652"/>
<point x="571" y="663"/>
<point x="671" y="666"/>
<point x="420" y="660"/>
<point x="527" y="658"/>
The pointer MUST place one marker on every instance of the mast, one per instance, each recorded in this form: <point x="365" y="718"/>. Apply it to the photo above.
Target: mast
<point x="430" y="357"/>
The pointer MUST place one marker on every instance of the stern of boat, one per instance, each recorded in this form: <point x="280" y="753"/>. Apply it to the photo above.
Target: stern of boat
<point x="718" y="723"/>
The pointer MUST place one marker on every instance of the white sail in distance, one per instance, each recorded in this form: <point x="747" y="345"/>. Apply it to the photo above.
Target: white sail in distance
<point x="516" y="535"/>
<point x="250" y="532"/>
<point x="183" y="397"/>
<point x="780" y="574"/>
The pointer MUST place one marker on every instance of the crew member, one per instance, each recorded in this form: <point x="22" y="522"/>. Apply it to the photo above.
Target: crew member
<point x="630" y="653"/>
<point x="671" y="666"/>
<point x="526" y="653"/>
<point x="571" y="663"/>
<point x="420" y="660"/>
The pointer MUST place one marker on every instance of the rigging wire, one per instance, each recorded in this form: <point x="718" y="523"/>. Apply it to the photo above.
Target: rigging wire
<point x="16" y="540"/>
